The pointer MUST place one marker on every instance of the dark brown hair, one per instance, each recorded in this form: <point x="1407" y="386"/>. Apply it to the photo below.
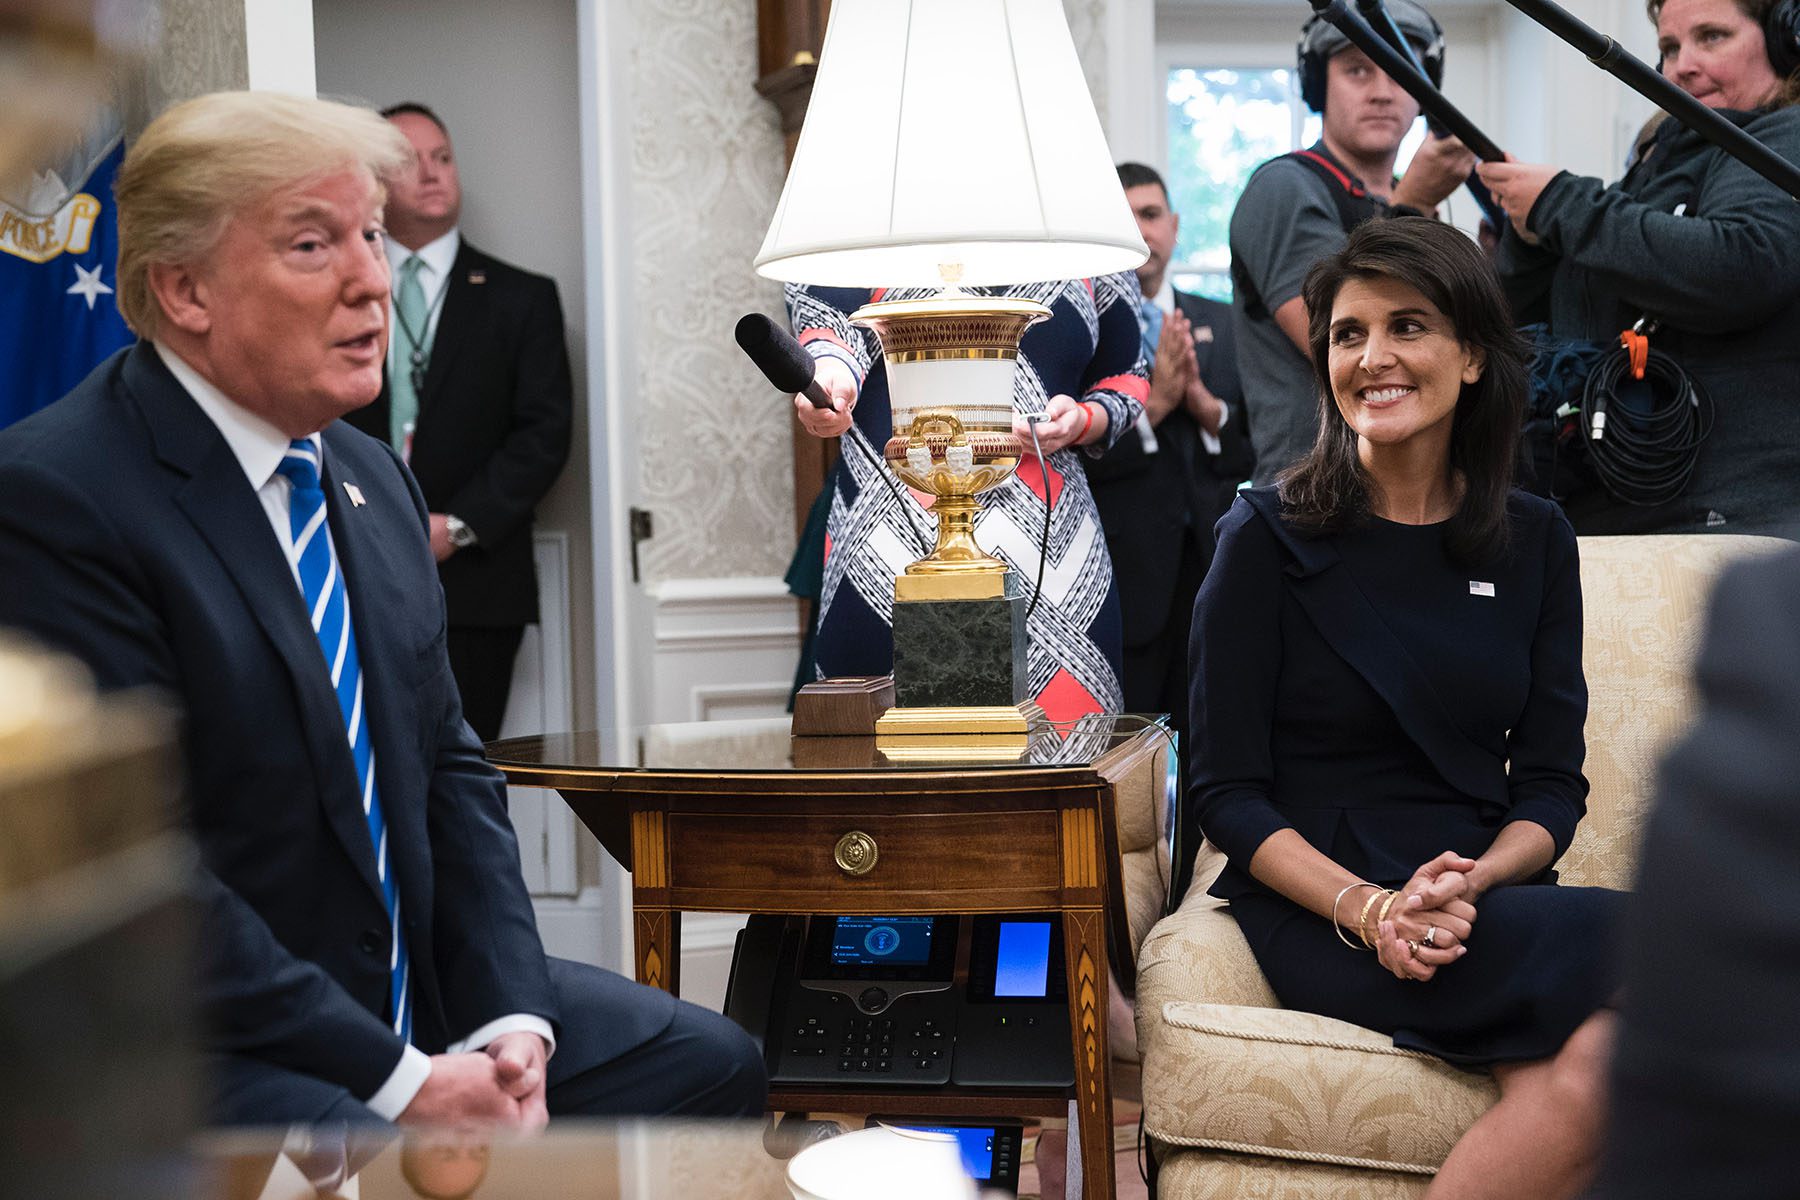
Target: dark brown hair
<point x="414" y="108"/>
<point x="1328" y="490"/>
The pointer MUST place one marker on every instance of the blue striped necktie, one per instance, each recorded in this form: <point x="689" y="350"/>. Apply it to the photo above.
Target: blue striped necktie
<point x="326" y="602"/>
<point x="1150" y="323"/>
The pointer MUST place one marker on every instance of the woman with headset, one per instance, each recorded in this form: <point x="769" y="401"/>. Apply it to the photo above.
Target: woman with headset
<point x="1700" y="245"/>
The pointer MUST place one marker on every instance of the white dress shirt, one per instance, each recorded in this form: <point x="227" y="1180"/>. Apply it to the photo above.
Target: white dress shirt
<point x="259" y="446"/>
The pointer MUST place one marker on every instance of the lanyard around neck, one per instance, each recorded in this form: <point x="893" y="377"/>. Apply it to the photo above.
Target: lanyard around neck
<point x="419" y="358"/>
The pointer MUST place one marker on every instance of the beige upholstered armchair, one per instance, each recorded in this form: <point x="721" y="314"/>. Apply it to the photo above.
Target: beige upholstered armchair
<point x="1245" y="1098"/>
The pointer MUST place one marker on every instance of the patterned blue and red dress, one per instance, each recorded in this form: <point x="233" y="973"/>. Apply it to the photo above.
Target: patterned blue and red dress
<point x="1088" y="349"/>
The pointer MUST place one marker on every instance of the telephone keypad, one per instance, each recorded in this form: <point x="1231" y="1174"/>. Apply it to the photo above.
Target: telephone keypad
<point x="852" y="1043"/>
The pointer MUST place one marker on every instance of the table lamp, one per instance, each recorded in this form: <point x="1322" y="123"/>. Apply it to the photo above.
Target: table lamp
<point x="881" y="1163"/>
<point x="951" y="143"/>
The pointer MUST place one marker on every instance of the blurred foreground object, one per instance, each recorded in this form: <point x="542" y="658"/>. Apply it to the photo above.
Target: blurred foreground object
<point x="96" y="1016"/>
<point x="59" y="60"/>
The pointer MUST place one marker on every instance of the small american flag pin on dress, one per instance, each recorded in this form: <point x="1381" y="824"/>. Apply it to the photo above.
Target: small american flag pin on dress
<point x="1479" y="587"/>
<point x="355" y="494"/>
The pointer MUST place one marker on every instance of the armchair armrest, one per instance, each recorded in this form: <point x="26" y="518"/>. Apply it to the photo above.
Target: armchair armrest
<point x="1197" y="954"/>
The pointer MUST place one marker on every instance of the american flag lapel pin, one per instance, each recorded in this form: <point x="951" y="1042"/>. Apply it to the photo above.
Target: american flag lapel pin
<point x="1203" y="334"/>
<point x="1479" y="587"/>
<point x="477" y="276"/>
<point x="355" y="494"/>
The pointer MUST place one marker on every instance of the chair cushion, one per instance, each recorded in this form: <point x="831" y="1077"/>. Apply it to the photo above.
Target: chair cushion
<point x="1645" y="603"/>
<point x="1197" y="952"/>
<point x="1298" y="1086"/>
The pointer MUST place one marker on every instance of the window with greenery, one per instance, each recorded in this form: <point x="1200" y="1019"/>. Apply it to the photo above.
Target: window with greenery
<point x="1223" y="123"/>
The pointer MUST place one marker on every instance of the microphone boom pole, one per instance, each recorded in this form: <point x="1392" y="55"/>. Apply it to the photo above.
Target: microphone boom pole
<point x="1647" y="82"/>
<point x="1401" y="70"/>
<point x="1377" y="16"/>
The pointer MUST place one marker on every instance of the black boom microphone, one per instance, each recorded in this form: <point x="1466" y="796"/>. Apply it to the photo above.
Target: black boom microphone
<point x="780" y="358"/>
<point x="790" y="368"/>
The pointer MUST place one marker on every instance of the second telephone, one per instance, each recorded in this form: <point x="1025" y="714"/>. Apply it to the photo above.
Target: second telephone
<point x="899" y="1001"/>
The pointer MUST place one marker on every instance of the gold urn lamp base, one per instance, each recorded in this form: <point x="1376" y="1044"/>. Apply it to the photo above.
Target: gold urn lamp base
<point x="959" y="631"/>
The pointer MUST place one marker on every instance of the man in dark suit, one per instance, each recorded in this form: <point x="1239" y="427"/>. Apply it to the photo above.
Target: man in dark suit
<point x="1164" y="485"/>
<point x="477" y="400"/>
<point x="1706" y="1082"/>
<point x="194" y="517"/>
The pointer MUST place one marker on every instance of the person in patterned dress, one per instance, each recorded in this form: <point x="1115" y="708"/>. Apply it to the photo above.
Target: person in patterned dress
<point x="1083" y="371"/>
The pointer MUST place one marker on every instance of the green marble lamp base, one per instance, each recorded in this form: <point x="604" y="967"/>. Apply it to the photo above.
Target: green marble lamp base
<point x="964" y="653"/>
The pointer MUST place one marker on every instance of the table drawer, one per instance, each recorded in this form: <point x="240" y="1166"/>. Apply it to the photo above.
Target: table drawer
<point x="801" y="858"/>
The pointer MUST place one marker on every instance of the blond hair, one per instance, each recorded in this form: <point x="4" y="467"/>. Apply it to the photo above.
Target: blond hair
<point x="210" y="158"/>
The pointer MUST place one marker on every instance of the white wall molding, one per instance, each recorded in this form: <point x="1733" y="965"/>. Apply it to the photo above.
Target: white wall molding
<point x="543" y="700"/>
<point x="708" y="941"/>
<point x="574" y="927"/>
<point x="604" y="32"/>
<point x="278" y="47"/>
<point x="1135" y="116"/>
<point x="722" y="648"/>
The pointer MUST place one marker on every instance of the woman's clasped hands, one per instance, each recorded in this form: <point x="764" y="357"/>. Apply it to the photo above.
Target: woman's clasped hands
<point x="1427" y="926"/>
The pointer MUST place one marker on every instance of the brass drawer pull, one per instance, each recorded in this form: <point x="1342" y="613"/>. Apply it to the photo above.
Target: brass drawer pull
<point x="855" y="853"/>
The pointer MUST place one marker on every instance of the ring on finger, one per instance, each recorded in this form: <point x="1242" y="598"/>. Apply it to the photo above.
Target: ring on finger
<point x="1430" y="938"/>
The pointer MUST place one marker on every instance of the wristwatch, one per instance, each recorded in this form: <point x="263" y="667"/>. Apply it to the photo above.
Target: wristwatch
<point x="460" y="535"/>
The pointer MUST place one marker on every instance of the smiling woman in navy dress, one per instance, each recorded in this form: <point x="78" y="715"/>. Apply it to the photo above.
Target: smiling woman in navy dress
<point x="1388" y="706"/>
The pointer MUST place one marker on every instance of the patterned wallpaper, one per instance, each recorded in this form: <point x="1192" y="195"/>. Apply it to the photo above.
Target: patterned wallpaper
<point x="715" y="458"/>
<point x="199" y="49"/>
<point x="716" y="464"/>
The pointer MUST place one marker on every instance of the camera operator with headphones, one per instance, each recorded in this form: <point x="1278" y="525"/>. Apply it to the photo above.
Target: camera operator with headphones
<point x="1703" y="251"/>
<point x="1300" y="207"/>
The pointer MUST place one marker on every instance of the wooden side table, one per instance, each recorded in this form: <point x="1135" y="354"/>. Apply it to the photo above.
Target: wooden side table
<point x="734" y="826"/>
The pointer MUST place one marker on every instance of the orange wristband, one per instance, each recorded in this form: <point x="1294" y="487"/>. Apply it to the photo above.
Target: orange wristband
<point x="1087" y="422"/>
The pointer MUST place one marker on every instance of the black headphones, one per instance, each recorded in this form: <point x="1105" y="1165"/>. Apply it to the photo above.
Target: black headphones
<point x="1781" y="34"/>
<point x="1320" y="39"/>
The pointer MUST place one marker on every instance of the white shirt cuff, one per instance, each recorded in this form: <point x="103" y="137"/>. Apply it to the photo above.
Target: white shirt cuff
<point x="1146" y="433"/>
<point x="414" y="1068"/>
<point x="514" y="1023"/>
<point x="391" y="1099"/>
<point x="1210" y="441"/>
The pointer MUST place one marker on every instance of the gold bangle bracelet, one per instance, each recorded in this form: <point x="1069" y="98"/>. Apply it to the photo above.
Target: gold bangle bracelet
<point x="1334" y="911"/>
<point x="1386" y="909"/>
<point x="1362" y="918"/>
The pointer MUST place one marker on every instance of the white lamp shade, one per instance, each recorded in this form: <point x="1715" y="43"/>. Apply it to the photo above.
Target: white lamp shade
<point x="881" y="1164"/>
<point x="949" y="132"/>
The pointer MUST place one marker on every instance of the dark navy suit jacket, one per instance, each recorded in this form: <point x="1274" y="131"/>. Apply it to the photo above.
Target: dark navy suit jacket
<point x="130" y="537"/>
<point x="1706" y="1086"/>
<point x="493" y="430"/>
<point x="1156" y="508"/>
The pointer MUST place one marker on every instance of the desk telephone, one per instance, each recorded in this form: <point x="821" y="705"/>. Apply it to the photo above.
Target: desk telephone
<point x="905" y="1001"/>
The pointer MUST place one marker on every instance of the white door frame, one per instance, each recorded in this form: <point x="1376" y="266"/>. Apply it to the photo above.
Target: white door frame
<point x="622" y="628"/>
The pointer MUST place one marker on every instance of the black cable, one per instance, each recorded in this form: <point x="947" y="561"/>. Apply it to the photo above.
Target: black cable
<point x="1037" y="588"/>
<point x="1644" y="453"/>
<point x="881" y="469"/>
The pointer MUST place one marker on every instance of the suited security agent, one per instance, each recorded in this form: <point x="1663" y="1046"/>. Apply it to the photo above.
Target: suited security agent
<point x="477" y="400"/>
<point x="195" y="517"/>
<point x="1162" y="487"/>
